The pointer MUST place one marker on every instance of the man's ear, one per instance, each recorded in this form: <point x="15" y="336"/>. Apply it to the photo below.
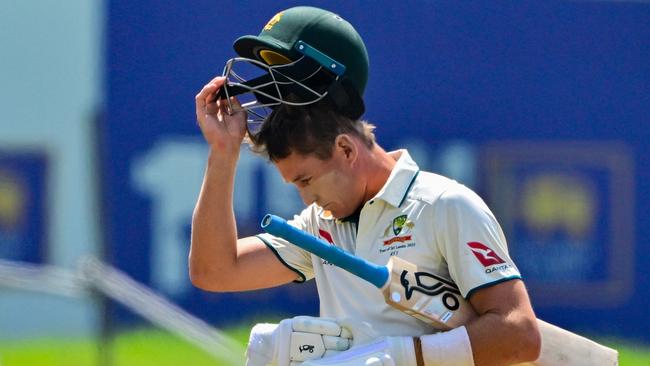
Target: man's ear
<point x="346" y="147"/>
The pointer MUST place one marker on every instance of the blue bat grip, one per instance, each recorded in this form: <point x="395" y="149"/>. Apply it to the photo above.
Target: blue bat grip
<point x="277" y="226"/>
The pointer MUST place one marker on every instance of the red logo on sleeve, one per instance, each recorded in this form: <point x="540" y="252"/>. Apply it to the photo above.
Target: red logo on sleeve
<point x="485" y="255"/>
<point x="325" y="235"/>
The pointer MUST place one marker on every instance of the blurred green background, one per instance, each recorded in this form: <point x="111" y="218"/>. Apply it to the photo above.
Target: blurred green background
<point x="153" y="347"/>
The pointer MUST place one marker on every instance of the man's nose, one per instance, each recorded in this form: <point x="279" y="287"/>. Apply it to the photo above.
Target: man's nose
<point x="307" y="197"/>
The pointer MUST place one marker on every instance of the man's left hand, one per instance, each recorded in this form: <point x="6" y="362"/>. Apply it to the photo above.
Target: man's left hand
<point x="384" y="351"/>
<point x="369" y="349"/>
<point x="295" y="340"/>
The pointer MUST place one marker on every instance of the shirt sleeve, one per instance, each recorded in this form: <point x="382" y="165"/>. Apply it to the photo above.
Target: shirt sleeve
<point x="293" y="257"/>
<point x="471" y="241"/>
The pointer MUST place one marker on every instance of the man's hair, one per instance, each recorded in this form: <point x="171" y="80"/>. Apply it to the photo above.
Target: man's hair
<point x="307" y="130"/>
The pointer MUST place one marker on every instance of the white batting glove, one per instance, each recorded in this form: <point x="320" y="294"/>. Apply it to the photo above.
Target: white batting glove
<point x="295" y="340"/>
<point x="370" y="350"/>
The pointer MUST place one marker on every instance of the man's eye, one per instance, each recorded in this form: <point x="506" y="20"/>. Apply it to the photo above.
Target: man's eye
<point x="305" y="181"/>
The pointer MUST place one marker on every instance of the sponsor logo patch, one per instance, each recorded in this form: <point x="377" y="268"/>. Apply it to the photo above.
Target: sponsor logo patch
<point x="325" y="235"/>
<point x="328" y="237"/>
<point x="484" y="254"/>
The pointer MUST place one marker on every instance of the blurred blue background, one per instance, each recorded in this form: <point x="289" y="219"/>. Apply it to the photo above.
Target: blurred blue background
<point x="542" y="107"/>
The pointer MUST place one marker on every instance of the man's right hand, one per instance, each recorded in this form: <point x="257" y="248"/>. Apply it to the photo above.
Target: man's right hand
<point x="224" y="130"/>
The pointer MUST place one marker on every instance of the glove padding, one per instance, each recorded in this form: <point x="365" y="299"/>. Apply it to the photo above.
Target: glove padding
<point x="295" y="340"/>
<point x="370" y="350"/>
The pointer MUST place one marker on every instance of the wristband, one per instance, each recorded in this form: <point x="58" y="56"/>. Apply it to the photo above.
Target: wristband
<point x="451" y="348"/>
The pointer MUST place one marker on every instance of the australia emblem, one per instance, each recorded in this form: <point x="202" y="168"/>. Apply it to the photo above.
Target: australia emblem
<point x="398" y="232"/>
<point x="398" y="224"/>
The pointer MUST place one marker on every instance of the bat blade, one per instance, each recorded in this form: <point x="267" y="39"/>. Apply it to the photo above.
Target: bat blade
<point x="432" y="299"/>
<point x="563" y="348"/>
<point x="437" y="301"/>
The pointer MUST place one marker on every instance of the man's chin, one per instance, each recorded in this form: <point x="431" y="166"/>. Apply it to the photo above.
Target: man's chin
<point x="339" y="214"/>
<point x="343" y="215"/>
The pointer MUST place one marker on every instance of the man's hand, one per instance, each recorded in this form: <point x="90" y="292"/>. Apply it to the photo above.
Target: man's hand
<point x="295" y="340"/>
<point x="369" y="349"/>
<point x="223" y="129"/>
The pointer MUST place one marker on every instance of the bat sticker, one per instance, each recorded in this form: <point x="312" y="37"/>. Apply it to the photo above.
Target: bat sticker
<point x="435" y="286"/>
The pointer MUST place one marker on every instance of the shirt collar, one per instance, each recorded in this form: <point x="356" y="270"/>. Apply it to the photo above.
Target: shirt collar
<point x="395" y="189"/>
<point x="400" y="180"/>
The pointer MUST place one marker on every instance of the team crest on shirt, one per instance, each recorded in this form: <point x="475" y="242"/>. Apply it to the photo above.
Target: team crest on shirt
<point x="400" y="225"/>
<point x="398" y="235"/>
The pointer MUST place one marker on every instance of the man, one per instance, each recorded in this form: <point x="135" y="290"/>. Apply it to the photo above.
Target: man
<point x="359" y="197"/>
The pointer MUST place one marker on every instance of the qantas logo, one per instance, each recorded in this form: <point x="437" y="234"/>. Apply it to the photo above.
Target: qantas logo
<point x="485" y="255"/>
<point x="325" y="235"/>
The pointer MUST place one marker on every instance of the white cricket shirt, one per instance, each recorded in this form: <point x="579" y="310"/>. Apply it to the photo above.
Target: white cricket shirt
<point x="424" y="218"/>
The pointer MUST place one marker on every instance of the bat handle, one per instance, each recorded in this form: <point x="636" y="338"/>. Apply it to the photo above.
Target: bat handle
<point x="373" y="273"/>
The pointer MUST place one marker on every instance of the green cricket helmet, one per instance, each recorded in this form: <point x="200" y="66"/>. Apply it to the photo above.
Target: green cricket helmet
<point x="304" y="55"/>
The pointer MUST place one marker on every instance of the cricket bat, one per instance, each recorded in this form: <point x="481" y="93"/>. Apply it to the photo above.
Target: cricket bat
<point x="437" y="301"/>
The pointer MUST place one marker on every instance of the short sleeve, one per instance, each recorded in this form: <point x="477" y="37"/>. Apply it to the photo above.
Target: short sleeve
<point x="295" y="258"/>
<point x="471" y="241"/>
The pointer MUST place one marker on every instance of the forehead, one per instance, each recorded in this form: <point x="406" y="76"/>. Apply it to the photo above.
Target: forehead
<point x="296" y="166"/>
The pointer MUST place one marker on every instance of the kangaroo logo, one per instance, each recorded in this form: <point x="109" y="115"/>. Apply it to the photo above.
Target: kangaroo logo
<point x="432" y="285"/>
<point x="484" y="254"/>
